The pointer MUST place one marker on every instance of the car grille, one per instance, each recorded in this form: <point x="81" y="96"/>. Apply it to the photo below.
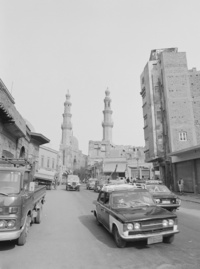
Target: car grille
<point x="152" y="231"/>
<point x="153" y="224"/>
<point x="73" y="184"/>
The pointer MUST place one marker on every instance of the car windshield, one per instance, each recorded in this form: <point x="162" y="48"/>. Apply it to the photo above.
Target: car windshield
<point x="9" y="182"/>
<point x="73" y="179"/>
<point x="157" y="188"/>
<point x="131" y="199"/>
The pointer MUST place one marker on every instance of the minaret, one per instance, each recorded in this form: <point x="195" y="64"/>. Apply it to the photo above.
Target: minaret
<point x="67" y="125"/>
<point x="107" y="123"/>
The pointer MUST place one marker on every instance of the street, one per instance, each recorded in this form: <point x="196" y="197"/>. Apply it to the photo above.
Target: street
<point x="68" y="237"/>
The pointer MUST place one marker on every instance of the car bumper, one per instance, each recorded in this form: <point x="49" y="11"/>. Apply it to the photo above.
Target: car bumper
<point x="10" y="235"/>
<point x="169" y="206"/>
<point x="141" y="236"/>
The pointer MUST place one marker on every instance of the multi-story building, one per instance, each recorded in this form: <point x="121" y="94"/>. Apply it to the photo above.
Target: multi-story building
<point x="18" y="140"/>
<point x="170" y="111"/>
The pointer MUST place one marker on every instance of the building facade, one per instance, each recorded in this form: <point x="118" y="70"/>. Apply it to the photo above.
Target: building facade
<point x="106" y="150"/>
<point x="170" y="109"/>
<point x="17" y="139"/>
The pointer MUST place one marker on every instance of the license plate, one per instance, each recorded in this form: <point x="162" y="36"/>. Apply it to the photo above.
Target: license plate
<point x="155" y="239"/>
<point x="166" y="202"/>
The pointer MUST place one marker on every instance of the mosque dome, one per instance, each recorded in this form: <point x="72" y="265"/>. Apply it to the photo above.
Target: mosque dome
<point x="75" y="143"/>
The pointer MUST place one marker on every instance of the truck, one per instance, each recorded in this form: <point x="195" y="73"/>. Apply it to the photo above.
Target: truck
<point x="21" y="200"/>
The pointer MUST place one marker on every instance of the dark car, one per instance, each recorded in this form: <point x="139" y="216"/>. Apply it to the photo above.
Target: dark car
<point x="99" y="184"/>
<point x="131" y="214"/>
<point x="163" y="196"/>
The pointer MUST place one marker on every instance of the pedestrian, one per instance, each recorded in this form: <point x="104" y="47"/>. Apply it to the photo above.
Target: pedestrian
<point x="180" y="185"/>
<point x="128" y="180"/>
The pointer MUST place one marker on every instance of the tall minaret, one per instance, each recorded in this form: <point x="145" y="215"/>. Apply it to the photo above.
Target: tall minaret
<point x="67" y="125"/>
<point x="107" y="123"/>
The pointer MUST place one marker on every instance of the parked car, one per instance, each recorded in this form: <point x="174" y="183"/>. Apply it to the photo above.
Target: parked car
<point x="90" y="184"/>
<point x="163" y="196"/>
<point x="131" y="214"/>
<point x="73" y="183"/>
<point x="99" y="184"/>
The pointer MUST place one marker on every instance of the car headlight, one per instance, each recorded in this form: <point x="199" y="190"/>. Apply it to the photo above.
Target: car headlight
<point x="171" y="222"/>
<point x="3" y="224"/>
<point x="165" y="223"/>
<point x="157" y="201"/>
<point x="10" y="223"/>
<point x="136" y="226"/>
<point x="129" y="226"/>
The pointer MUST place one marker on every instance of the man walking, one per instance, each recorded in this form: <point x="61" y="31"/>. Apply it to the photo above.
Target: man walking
<point x="181" y="185"/>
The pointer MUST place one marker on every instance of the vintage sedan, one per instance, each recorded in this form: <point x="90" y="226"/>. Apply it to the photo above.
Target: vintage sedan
<point x="163" y="196"/>
<point x="91" y="183"/>
<point x="73" y="183"/>
<point x="131" y="214"/>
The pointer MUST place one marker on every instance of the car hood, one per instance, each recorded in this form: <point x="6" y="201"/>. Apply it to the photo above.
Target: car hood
<point x="143" y="213"/>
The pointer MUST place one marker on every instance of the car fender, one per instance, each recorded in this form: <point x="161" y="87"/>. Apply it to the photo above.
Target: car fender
<point x="113" y="221"/>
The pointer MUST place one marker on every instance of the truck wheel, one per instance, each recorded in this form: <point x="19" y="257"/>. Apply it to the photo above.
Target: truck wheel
<point x="168" y="239"/>
<point x="120" y="243"/>
<point x="39" y="216"/>
<point x="22" y="239"/>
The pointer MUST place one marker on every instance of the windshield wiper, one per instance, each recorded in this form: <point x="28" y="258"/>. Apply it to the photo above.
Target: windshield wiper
<point x="4" y="193"/>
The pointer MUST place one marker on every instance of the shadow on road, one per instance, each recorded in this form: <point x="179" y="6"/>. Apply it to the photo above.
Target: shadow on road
<point x="6" y="245"/>
<point x="101" y="234"/>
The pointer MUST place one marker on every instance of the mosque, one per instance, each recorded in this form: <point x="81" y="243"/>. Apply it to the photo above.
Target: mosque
<point x="70" y="158"/>
<point x="104" y="155"/>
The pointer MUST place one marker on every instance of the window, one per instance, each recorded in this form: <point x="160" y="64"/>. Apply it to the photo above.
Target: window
<point x="182" y="136"/>
<point x="48" y="161"/>
<point x="101" y="197"/>
<point x="42" y="161"/>
<point x="53" y="163"/>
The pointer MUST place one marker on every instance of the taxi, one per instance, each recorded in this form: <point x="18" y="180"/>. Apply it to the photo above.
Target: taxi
<point x="163" y="196"/>
<point x="130" y="214"/>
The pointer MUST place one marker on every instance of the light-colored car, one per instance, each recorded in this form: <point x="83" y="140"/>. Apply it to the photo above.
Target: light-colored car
<point x="91" y="183"/>
<point x="73" y="183"/>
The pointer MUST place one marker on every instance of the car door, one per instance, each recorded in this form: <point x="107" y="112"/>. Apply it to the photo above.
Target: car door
<point x="106" y="210"/>
<point x="99" y="206"/>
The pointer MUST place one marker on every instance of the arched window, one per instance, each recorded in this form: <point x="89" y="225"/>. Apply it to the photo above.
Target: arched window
<point x="22" y="153"/>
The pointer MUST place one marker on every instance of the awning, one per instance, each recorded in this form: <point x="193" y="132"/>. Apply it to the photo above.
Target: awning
<point x="109" y="167"/>
<point x="46" y="175"/>
<point x="121" y="167"/>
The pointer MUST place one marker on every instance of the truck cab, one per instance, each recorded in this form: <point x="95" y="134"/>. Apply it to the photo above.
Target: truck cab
<point x="20" y="202"/>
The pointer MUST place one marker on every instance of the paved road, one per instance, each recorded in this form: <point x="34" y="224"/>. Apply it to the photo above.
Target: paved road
<point x="68" y="237"/>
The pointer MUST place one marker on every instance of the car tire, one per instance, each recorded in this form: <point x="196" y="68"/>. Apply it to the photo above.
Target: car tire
<point x="23" y="236"/>
<point x="38" y="218"/>
<point x="168" y="239"/>
<point x="120" y="243"/>
<point x="97" y="220"/>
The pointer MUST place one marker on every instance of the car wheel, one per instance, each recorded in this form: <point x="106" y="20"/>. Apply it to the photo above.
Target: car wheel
<point x="97" y="220"/>
<point x="22" y="239"/>
<point x="168" y="239"/>
<point x="39" y="216"/>
<point x="120" y="243"/>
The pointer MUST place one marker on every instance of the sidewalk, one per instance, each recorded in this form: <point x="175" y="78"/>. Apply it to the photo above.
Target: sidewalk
<point x="189" y="197"/>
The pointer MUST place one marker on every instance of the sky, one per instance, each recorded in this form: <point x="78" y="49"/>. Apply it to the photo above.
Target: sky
<point x="86" y="46"/>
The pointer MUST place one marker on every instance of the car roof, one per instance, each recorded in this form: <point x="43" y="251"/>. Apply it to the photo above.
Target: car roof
<point x="120" y="188"/>
<point x="154" y="182"/>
